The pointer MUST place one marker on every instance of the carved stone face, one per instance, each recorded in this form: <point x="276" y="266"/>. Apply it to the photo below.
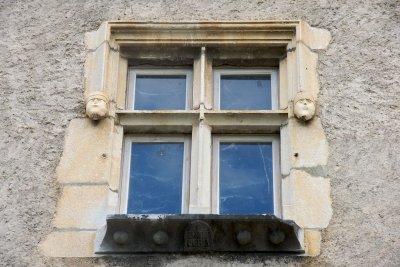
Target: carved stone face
<point x="304" y="108"/>
<point x="97" y="106"/>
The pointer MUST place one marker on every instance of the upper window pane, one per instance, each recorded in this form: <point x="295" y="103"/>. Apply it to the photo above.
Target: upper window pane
<point x="245" y="92"/>
<point x="245" y="89"/>
<point x="159" y="89"/>
<point x="155" y="179"/>
<point x="246" y="178"/>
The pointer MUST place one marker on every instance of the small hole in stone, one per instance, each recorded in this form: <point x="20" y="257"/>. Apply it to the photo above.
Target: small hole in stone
<point x="296" y="154"/>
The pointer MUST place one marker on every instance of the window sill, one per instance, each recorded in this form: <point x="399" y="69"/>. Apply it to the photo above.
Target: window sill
<point x="181" y="121"/>
<point x="190" y="233"/>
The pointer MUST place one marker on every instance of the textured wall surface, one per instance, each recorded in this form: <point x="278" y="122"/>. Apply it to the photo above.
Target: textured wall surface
<point x="41" y="89"/>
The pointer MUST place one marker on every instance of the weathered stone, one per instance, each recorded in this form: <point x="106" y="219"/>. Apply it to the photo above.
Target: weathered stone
<point x="96" y="38"/>
<point x="312" y="242"/>
<point x="69" y="244"/>
<point x="86" y="156"/>
<point x="304" y="106"/>
<point x="307" y="70"/>
<point x="315" y="38"/>
<point x="308" y="145"/>
<point x="306" y="200"/>
<point x="83" y="207"/>
<point x="286" y="152"/>
<point x="97" y="105"/>
<point x="116" y="158"/>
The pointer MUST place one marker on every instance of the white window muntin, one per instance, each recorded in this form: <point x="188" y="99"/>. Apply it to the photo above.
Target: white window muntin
<point x="133" y="72"/>
<point x="274" y="83"/>
<point x="274" y="139"/>
<point x="131" y="139"/>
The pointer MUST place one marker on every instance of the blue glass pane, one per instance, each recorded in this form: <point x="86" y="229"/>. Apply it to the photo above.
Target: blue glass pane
<point x="245" y="178"/>
<point x="247" y="92"/>
<point x="155" y="182"/>
<point x="157" y="92"/>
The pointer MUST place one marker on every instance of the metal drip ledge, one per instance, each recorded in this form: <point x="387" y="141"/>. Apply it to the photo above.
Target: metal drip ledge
<point x="189" y="233"/>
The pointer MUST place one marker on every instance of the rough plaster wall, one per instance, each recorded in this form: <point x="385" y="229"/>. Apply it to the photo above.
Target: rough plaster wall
<point x="41" y="90"/>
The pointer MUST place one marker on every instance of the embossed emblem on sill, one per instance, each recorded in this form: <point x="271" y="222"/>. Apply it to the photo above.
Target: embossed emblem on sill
<point x="198" y="236"/>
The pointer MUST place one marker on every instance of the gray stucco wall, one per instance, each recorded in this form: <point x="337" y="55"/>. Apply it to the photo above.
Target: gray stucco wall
<point x="41" y="90"/>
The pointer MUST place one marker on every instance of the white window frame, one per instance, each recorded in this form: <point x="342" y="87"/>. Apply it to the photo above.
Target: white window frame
<point x="274" y="139"/>
<point x="124" y="185"/>
<point x="246" y="71"/>
<point x="133" y="72"/>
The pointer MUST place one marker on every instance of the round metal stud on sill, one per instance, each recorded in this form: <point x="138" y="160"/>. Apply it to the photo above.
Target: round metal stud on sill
<point x="243" y="237"/>
<point x="120" y="237"/>
<point x="276" y="237"/>
<point x="160" y="238"/>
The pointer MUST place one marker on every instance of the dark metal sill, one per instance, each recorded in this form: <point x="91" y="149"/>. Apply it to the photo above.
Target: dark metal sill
<point x="190" y="233"/>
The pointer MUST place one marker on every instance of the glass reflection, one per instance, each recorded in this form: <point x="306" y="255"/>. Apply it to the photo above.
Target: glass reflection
<point x="245" y="178"/>
<point x="246" y="92"/>
<point x="160" y="92"/>
<point x="155" y="185"/>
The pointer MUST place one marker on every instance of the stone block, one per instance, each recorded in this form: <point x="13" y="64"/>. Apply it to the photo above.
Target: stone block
<point x="69" y="244"/>
<point x="306" y="200"/>
<point x="95" y="68"/>
<point x="283" y="84"/>
<point x="96" y="38"/>
<point x="83" y="207"/>
<point x="312" y="242"/>
<point x="309" y="147"/>
<point x="86" y="156"/>
<point x="286" y="152"/>
<point x="116" y="158"/>
<point x="307" y="71"/>
<point x="314" y="38"/>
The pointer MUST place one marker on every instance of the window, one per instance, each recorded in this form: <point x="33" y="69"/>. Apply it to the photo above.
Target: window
<point x="157" y="169"/>
<point x="250" y="53"/>
<point x="245" y="175"/>
<point x="245" y="89"/>
<point x="162" y="89"/>
<point x="156" y="173"/>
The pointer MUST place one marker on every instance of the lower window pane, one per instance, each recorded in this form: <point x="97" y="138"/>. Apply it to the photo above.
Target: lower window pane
<point x="245" y="178"/>
<point x="155" y="180"/>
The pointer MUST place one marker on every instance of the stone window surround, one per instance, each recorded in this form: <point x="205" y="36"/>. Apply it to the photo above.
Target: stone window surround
<point x="89" y="169"/>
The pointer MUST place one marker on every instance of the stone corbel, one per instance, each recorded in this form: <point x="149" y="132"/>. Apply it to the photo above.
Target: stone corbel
<point x="97" y="105"/>
<point x="304" y="106"/>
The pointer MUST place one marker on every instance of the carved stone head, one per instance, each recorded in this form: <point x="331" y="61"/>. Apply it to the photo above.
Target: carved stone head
<point x="97" y="105"/>
<point x="304" y="106"/>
